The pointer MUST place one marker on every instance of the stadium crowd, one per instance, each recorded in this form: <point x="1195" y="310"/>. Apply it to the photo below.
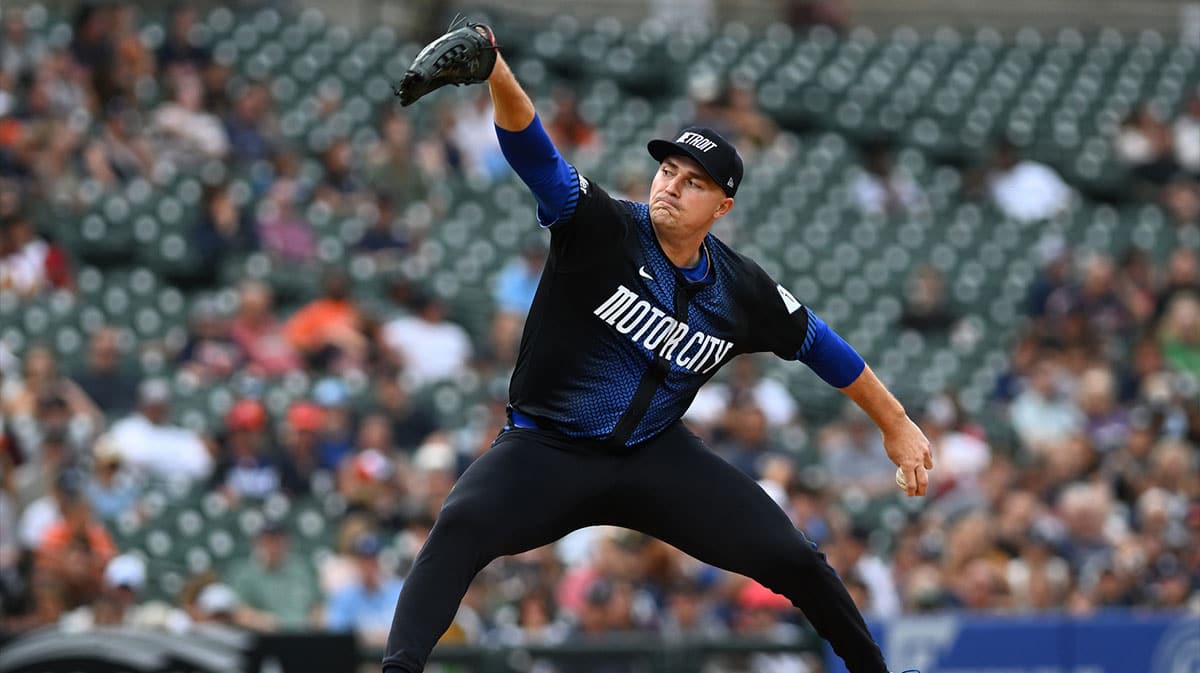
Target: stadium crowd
<point x="1086" y="497"/>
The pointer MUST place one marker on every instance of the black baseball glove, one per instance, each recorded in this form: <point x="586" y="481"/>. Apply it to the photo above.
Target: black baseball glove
<point x="462" y="56"/>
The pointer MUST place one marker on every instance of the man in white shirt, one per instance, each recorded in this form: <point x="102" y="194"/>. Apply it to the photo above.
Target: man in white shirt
<point x="147" y="442"/>
<point x="1025" y="190"/>
<point x="1186" y="132"/>
<point x="429" y="347"/>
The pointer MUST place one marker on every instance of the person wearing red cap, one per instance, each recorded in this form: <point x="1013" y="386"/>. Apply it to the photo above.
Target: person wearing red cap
<point x="300" y="436"/>
<point x="249" y="467"/>
<point x="762" y="615"/>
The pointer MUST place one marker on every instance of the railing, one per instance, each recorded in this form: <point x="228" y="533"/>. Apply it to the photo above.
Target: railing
<point x="634" y="654"/>
<point x="1116" y="641"/>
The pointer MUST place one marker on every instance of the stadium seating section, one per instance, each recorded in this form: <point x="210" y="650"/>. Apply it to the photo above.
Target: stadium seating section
<point x="941" y="97"/>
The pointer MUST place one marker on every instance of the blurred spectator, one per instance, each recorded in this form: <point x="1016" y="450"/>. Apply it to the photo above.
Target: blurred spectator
<point x="10" y="548"/>
<point x="1106" y="424"/>
<point x="111" y="491"/>
<point x="217" y="79"/>
<point x="179" y="49"/>
<point x="340" y="186"/>
<point x="981" y="586"/>
<point x="121" y="602"/>
<point x="248" y="466"/>
<point x="275" y="582"/>
<point x="853" y="454"/>
<point x="605" y="609"/>
<point x="325" y="331"/>
<point x="1186" y="132"/>
<point x="1054" y="275"/>
<point x="807" y="510"/>
<point x="567" y="128"/>
<point x="222" y="228"/>
<point x="1183" y="277"/>
<point x="1085" y="510"/>
<point x="392" y="167"/>
<point x="1043" y="414"/>
<point x="210" y="353"/>
<point x="1179" y="333"/>
<point x="120" y="152"/>
<point x="340" y="569"/>
<point x="706" y="93"/>
<point x="384" y="237"/>
<point x="1136" y="285"/>
<point x="72" y="553"/>
<point x="8" y="103"/>
<point x="300" y="437"/>
<point x="474" y="135"/>
<point x="369" y="478"/>
<point x="1144" y="369"/>
<point x="775" y="472"/>
<point x="217" y="603"/>
<point x="1094" y="299"/>
<point x="746" y="380"/>
<point x="752" y="129"/>
<point x="439" y="153"/>
<point x="536" y="622"/>
<point x="29" y="264"/>
<point x="632" y="184"/>
<point x="1037" y="577"/>
<point x="20" y="48"/>
<point x="250" y="124"/>
<point x="64" y="85"/>
<point x="875" y="574"/>
<point x="1145" y="143"/>
<point x="426" y="345"/>
<point x="435" y="468"/>
<point x="961" y="453"/>
<point x="44" y="461"/>
<point x="1024" y="189"/>
<point x="336" y="440"/>
<point x="50" y="400"/>
<point x="184" y="132"/>
<point x="281" y="229"/>
<point x="91" y="44"/>
<point x="103" y="378"/>
<point x="259" y="335"/>
<point x="743" y="440"/>
<point x="411" y="422"/>
<point x="366" y="605"/>
<point x="880" y="189"/>
<point x="689" y="613"/>
<point x="926" y="306"/>
<point x="149" y="443"/>
<point x="132" y="63"/>
<point x="762" y="614"/>
<point x="514" y="289"/>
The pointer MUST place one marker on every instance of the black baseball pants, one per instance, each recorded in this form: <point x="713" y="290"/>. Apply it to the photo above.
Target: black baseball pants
<point x="534" y="486"/>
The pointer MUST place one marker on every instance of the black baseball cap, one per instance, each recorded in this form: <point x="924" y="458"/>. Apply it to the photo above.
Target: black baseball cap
<point x="716" y="156"/>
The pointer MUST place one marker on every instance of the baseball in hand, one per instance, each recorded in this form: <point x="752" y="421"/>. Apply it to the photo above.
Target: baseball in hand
<point x="900" y="480"/>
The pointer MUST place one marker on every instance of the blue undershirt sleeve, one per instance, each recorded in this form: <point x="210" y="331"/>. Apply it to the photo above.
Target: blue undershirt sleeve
<point x="553" y="182"/>
<point x="828" y="354"/>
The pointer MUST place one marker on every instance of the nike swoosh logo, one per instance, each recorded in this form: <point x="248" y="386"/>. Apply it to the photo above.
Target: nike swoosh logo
<point x="643" y="274"/>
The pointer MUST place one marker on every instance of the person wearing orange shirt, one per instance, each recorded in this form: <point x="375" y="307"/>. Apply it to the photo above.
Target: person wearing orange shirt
<point x="73" y="551"/>
<point x="325" y="331"/>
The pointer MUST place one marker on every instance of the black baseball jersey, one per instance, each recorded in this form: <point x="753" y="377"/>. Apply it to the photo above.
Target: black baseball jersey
<point x="618" y="341"/>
